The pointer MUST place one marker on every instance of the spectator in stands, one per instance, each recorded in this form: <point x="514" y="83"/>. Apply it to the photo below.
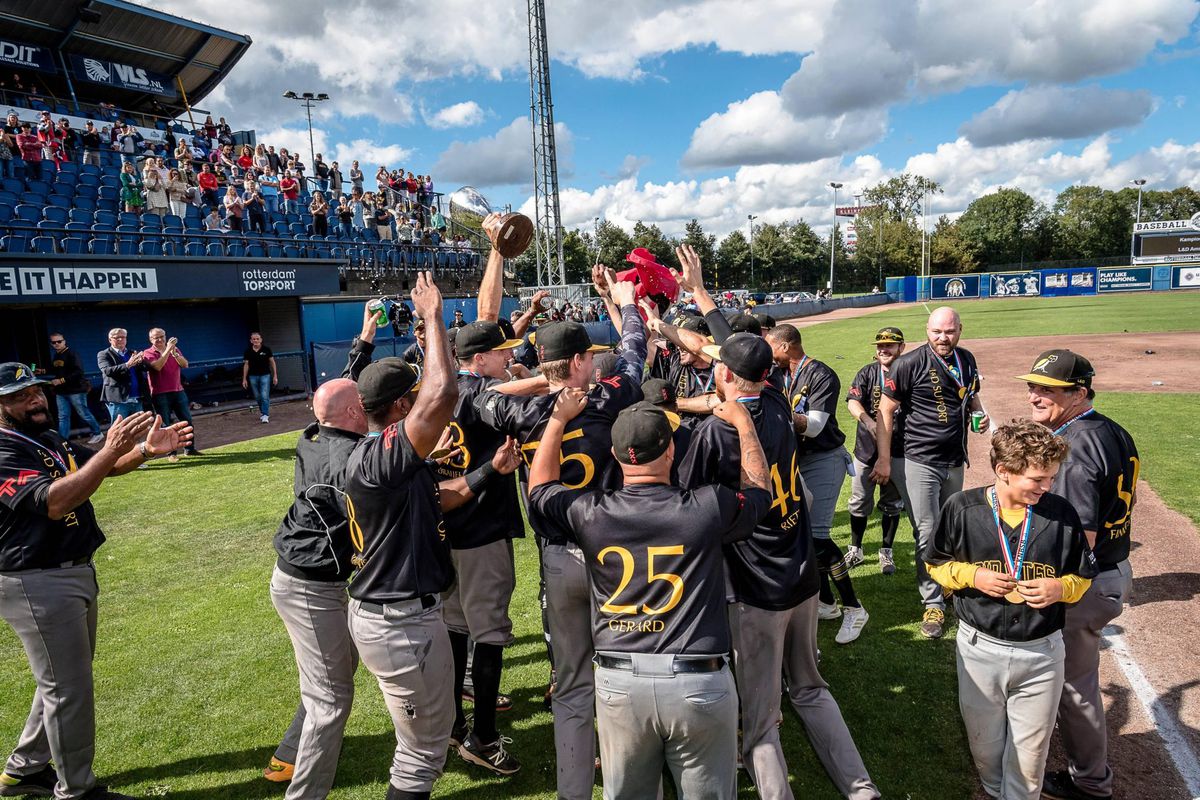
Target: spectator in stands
<point x="335" y="179"/>
<point x="252" y="201"/>
<point x="131" y="189"/>
<point x="259" y="374"/>
<point x="289" y="188"/>
<point x="382" y="218"/>
<point x="437" y="221"/>
<point x="245" y="160"/>
<point x="413" y="186"/>
<point x="415" y="352"/>
<point x="381" y="181"/>
<point x="91" y="144"/>
<point x="234" y="208"/>
<point x="358" y="207"/>
<point x="8" y="146"/>
<point x="69" y="139"/>
<point x="345" y="218"/>
<point x="227" y="162"/>
<point x="127" y="143"/>
<point x="177" y="193"/>
<point x="261" y="162"/>
<point x="165" y="376"/>
<point x="404" y="231"/>
<point x="31" y="152"/>
<point x="426" y="191"/>
<point x="298" y="170"/>
<point x="319" y="208"/>
<point x="418" y="232"/>
<point x="12" y="125"/>
<point x="321" y="173"/>
<point x="356" y="177"/>
<point x="208" y="186"/>
<point x="164" y="171"/>
<point x="212" y="221"/>
<point x="70" y="388"/>
<point x="210" y="131"/>
<point x="268" y="184"/>
<point x="156" y="190"/>
<point x="182" y="154"/>
<point x="273" y="160"/>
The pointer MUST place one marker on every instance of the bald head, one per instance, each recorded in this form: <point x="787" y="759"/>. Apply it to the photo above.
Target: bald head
<point x="336" y="404"/>
<point x="943" y="330"/>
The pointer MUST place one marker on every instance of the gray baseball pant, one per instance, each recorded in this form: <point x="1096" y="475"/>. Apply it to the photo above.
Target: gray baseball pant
<point x="569" y="612"/>
<point x="1081" y="709"/>
<point x="862" y="490"/>
<point x="762" y="641"/>
<point x="53" y="612"/>
<point x="477" y="604"/>
<point x="652" y="716"/>
<point x="926" y="488"/>
<point x="407" y="648"/>
<point x="823" y="474"/>
<point x="314" y="613"/>
<point x="1008" y="694"/>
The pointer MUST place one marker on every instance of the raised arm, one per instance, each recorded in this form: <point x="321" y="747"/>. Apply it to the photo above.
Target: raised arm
<point x="439" y="391"/>
<point x="602" y="279"/>
<point x="632" y="348"/>
<point x="753" y="459"/>
<point x="535" y="307"/>
<point x="491" y="287"/>
<point x="72" y="490"/>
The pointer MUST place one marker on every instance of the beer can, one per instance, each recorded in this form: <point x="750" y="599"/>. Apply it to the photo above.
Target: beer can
<point x="977" y="420"/>
<point x="380" y="308"/>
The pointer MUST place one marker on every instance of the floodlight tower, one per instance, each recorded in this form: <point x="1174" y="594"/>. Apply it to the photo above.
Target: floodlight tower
<point x="547" y="221"/>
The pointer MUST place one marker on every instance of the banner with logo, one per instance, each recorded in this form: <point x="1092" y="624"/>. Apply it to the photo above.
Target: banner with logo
<point x="122" y="76"/>
<point x="1125" y="279"/>
<point x="1186" y="277"/>
<point x="19" y="55"/>
<point x="1015" y="284"/>
<point x="950" y="287"/>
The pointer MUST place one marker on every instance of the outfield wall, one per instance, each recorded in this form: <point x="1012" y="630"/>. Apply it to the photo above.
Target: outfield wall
<point x="1047" y="282"/>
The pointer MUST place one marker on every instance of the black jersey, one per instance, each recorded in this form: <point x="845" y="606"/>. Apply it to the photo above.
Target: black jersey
<point x="414" y="354"/>
<point x="934" y="397"/>
<point x="867" y="388"/>
<point x="813" y="386"/>
<point x="1099" y="478"/>
<point x="654" y="555"/>
<point x="966" y="531"/>
<point x="29" y="539"/>
<point x="688" y="381"/>
<point x="494" y="513"/>
<point x="395" y="521"/>
<point x="313" y="540"/>
<point x="775" y="568"/>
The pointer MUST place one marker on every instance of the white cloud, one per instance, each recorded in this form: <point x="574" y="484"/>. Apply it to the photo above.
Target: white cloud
<point x="758" y="130"/>
<point x="503" y="159"/>
<point x="370" y="154"/>
<point x="1057" y="112"/>
<point x="459" y="115"/>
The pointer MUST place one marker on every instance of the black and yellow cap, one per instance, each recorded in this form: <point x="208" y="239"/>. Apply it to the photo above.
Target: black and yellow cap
<point x="889" y="335"/>
<point x="1060" y="369"/>
<point x="482" y="336"/>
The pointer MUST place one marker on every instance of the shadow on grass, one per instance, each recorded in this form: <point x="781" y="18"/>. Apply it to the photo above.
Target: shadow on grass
<point x="227" y="459"/>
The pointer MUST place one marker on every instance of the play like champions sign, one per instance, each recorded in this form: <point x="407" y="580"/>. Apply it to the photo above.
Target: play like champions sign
<point x="122" y="76"/>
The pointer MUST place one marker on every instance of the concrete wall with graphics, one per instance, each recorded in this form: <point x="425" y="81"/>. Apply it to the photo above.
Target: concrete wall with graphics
<point x="1045" y="282"/>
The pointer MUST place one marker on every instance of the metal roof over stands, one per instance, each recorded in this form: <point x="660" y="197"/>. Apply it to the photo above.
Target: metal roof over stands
<point x="199" y="55"/>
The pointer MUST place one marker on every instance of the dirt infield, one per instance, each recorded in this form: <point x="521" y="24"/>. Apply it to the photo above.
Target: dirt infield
<point x="844" y="313"/>
<point x="240" y="423"/>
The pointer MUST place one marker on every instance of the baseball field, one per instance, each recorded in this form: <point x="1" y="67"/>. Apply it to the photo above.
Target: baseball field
<point x="195" y="679"/>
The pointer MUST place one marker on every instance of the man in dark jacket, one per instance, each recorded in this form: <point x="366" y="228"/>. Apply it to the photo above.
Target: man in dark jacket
<point x="71" y="388"/>
<point x="124" y="382"/>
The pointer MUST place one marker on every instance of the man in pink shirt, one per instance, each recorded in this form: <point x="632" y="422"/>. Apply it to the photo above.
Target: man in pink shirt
<point x="165" y="363"/>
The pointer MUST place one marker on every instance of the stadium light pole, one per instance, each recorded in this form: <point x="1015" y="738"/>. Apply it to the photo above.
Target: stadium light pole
<point x="750" y="219"/>
<point x="833" y="235"/>
<point x="308" y="100"/>
<point x="1138" y="182"/>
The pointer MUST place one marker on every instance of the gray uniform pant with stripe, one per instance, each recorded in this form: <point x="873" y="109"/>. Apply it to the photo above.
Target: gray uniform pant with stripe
<point x="314" y="613"/>
<point x="407" y="648"/>
<point x="762" y="641"/>
<point x="569" y="613"/>
<point x="862" y="491"/>
<point x="1008" y="694"/>
<point x="926" y="488"/>
<point x="823" y="474"/>
<point x="53" y="612"/>
<point x="1081" y="710"/>
<point x="651" y="717"/>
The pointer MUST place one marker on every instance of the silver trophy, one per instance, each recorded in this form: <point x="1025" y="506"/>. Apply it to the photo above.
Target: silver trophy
<point x="515" y="231"/>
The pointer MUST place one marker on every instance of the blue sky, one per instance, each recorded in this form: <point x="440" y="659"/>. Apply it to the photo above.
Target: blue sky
<point x="713" y="109"/>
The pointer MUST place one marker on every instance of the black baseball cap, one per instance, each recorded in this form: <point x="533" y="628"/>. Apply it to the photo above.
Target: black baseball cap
<point x="506" y="325"/>
<point x="482" y="336"/>
<point x="745" y="323"/>
<point x="15" y="376"/>
<point x="659" y="392"/>
<point x="559" y="340"/>
<point x="1061" y="369"/>
<point x="385" y="381"/>
<point x="641" y="434"/>
<point x="889" y="335"/>
<point x="604" y="365"/>
<point x="696" y="324"/>
<point x="765" y="320"/>
<point x="747" y="355"/>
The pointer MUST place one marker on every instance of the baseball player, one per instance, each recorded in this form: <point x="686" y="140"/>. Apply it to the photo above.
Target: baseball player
<point x="664" y="693"/>
<point x="566" y="355"/>
<point x="813" y="390"/>
<point x="1014" y="554"/>
<point x="863" y="403"/>
<point x="48" y="535"/>
<point x="1099" y="480"/>
<point x="773" y="579"/>
<point x="936" y="388"/>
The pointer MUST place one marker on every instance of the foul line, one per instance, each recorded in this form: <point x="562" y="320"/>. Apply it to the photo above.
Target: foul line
<point x="1168" y="729"/>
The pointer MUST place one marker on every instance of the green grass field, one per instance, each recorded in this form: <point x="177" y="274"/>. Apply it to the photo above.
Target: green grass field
<point x="195" y="678"/>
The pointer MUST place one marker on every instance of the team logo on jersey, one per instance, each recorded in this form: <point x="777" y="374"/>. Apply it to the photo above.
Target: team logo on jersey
<point x="9" y="487"/>
<point x="1044" y="364"/>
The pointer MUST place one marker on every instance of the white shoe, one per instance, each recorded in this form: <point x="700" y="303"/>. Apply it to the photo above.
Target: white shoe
<point x="264" y="418"/>
<point x="97" y="439"/>
<point x="830" y="611"/>
<point x="886" y="565"/>
<point x="854" y="620"/>
<point x="854" y="556"/>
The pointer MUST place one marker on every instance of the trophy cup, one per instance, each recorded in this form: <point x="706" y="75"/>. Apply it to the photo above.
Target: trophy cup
<point x="469" y="208"/>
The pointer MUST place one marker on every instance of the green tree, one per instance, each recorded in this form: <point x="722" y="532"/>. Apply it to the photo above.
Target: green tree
<point x="1090" y="222"/>
<point x="733" y="262"/>
<point x="651" y="237"/>
<point x="948" y="251"/>
<point x="1005" y="227"/>
<point x="805" y="250"/>
<point x="577" y="257"/>
<point x="705" y="244"/>
<point x="900" y="198"/>
<point x="614" y="244"/>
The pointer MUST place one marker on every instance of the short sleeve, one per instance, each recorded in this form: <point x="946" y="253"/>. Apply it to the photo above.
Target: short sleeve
<point x="1079" y="482"/>
<point x="823" y="391"/>
<point x="497" y="411"/>
<point x="555" y="502"/>
<point x="943" y="545"/>
<point x="699" y="463"/>
<point x="859" y="389"/>
<point x="23" y="485"/>
<point x="393" y="459"/>
<point x="617" y="392"/>
<point x="898" y="380"/>
<point x="740" y="510"/>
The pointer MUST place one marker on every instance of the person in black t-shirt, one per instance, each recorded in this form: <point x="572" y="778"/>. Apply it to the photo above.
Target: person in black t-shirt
<point x="664" y="694"/>
<point x="48" y="589"/>
<point x="91" y="144"/>
<point x="259" y="374"/>
<point x="71" y="388"/>
<point x="1099" y="479"/>
<point x="1015" y="556"/>
<point x="936" y="388"/>
<point x="862" y="401"/>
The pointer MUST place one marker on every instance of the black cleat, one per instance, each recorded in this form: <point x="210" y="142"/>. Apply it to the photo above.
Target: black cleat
<point x="491" y="756"/>
<point x="1060" y="786"/>
<point x="37" y="784"/>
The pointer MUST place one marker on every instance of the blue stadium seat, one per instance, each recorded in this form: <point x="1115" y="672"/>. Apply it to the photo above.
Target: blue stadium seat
<point x="89" y="178"/>
<point x="128" y="230"/>
<point x="254" y="250"/>
<point x="173" y="230"/>
<point x="81" y="215"/>
<point x="171" y="221"/>
<point x="9" y="198"/>
<point x="43" y="244"/>
<point x="169" y="247"/>
<point x="106" y="217"/>
<point x="280" y="228"/>
<point x="28" y="212"/>
<point x="64" y="189"/>
<point x="151" y="221"/>
<point x="59" y="201"/>
<point x="291" y="251"/>
<point x="101" y="247"/>
<point x="15" y="242"/>
<point x="73" y="245"/>
<point x="129" y="218"/>
<point x="14" y="185"/>
<point x="127" y="246"/>
<point x="85" y="203"/>
<point x="55" y="214"/>
<point x="193" y="213"/>
<point x="193" y="249"/>
<point x="68" y="168"/>
<point x="6" y="212"/>
<point x="87" y="191"/>
<point x="236" y="249"/>
<point x="91" y="170"/>
<point x="64" y="183"/>
<point x="82" y="227"/>
<point x="215" y="250"/>
<point x="108" y="193"/>
<point x="274" y="251"/>
<point x="41" y="188"/>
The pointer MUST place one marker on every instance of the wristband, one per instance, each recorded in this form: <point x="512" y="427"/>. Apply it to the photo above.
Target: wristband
<point x="142" y="450"/>
<point x="476" y="479"/>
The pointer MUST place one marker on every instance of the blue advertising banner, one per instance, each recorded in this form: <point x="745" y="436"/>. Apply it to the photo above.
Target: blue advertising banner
<point x="1083" y="281"/>
<point x="1186" y="277"/>
<point x="93" y="280"/>
<point x="1125" y="279"/>
<point x="1056" y="282"/>
<point x="122" y="76"/>
<point x="948" y="287"/>
<point x="19" y="55"/>
<point x="1015" y="284"/>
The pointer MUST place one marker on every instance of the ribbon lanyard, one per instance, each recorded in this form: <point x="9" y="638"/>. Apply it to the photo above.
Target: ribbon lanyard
<point x="1058" y="431"/>
<point x="956" y="372"/>
<point x="41" y="446"/>
<point x="468" y="372"/>
<point x="791" y="378"/>
<point x="749" y="399"/>
<point x="1006" y="551"/>
<point x="707" y="384"/>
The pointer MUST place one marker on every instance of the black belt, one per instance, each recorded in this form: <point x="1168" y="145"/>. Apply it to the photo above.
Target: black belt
<point x="427" y="601"/>
<point x="706" y="664"/>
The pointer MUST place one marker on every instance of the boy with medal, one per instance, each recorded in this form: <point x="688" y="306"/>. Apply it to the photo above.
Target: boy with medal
<point x="1014" y="555"/>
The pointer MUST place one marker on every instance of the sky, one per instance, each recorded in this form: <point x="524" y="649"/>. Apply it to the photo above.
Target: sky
<point x="668" y="110"/>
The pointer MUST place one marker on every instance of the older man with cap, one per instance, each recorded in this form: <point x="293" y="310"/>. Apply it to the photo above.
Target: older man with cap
<point x="48" y="589"/>
<point x="1099" y="479"/>
<point x="936" y="389"/>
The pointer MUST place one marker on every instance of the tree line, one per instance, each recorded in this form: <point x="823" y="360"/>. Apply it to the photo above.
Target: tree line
<point x="1006" y="227"/>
